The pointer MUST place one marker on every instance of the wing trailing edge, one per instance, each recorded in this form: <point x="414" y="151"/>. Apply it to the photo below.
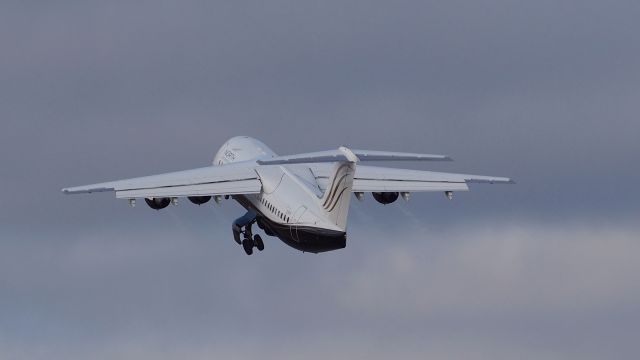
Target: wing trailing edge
<point x="384" y="179"/>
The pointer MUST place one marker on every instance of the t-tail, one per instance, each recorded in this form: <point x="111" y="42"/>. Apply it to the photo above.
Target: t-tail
<point x="337" y="196"/>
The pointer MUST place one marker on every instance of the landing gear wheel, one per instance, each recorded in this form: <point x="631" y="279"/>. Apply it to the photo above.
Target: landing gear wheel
<point x="257" y="240"/>
<point x="247" y="244"/>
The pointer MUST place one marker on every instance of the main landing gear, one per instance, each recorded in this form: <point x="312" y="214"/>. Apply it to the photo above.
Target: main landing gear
<point x="248" y="244"/>
<point x="242" y="226"/>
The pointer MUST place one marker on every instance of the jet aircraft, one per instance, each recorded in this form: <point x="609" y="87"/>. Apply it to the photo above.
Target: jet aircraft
<point x="302" y="199"/>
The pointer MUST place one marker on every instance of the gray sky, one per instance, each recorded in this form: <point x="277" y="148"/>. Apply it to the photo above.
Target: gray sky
<point x="545" y="92"/>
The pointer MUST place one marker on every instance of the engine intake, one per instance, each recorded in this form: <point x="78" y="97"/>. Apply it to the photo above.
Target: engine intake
<point x="199" y="200"/>
<point x="158" y="203"/>
<point x="385" y="197"/>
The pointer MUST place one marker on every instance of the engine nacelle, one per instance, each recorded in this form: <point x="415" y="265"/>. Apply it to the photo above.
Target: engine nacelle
<point x="385" y="197"/>
<point x="158" y="203"/>
<point x="199" y="200"/>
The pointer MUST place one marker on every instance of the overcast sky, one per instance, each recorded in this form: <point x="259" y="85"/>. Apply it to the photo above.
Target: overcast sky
<point x="546" y="92"/>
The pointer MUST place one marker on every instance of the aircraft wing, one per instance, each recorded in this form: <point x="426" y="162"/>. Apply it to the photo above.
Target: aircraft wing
<point x="384" y="179"/>
<point x="231" y="179"/>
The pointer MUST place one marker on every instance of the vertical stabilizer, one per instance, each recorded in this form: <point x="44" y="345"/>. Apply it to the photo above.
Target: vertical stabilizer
<point x="337" y="196"/>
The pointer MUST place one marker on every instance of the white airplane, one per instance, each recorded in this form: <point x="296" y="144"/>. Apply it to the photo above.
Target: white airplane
<point x="302" y="199"/>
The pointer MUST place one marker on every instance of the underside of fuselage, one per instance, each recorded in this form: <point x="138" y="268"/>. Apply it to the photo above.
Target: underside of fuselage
<point x="304" y="238"/>
<point x="301" y="237"/>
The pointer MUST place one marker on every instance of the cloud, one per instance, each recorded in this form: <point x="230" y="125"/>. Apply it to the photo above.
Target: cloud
<point x="514" y="268"/>
<point x="482" y="290"/>
<point x="545" y="92"/>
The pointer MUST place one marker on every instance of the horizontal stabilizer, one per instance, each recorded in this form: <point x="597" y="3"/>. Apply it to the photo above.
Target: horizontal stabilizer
<point x="350" y="155"/>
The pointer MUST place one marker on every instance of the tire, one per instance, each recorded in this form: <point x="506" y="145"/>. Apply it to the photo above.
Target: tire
<point x="248" y="246"/>
<point x="257" y="240"/>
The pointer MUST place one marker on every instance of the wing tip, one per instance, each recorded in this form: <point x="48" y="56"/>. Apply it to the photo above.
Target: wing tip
<point x="472" y="180"/>
<point x="86" y="190"/>
<point x="503" y="181"/>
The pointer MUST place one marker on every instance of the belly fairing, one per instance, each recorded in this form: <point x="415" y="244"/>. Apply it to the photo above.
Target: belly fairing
<point x="305" y="238"/>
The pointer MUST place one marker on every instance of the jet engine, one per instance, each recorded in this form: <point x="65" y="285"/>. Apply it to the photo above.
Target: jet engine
<point x="385" y="197"/>
<point x="199" y="200"/>
<point x="158" y="203"/>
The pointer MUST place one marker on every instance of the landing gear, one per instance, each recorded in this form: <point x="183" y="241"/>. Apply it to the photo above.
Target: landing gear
<point x="257" y="241"/>
<point x="248" y="246"/>
<point x="242" y="226"/>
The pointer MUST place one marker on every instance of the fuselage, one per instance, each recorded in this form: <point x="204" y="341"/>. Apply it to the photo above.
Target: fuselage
<point x="289" y="204"/>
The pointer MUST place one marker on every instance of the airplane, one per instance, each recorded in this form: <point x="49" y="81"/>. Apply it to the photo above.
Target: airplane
<point x="302" y="199"/>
